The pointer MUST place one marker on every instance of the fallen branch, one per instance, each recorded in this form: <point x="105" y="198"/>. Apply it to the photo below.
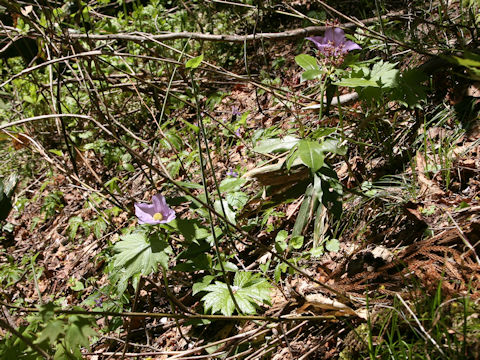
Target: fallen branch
<point x="141" y="37"/>
<point x="126" y="314"/>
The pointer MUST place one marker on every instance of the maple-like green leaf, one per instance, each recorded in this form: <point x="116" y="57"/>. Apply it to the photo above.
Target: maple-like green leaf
<point x="79" y="329"/>
<point x="218" y="299"/>
<point x="411" y="90"/>
<point x="248" y="290"/>
<point x="52" y="332"/>
<point x="137" y="253"/>
<point x="384" y="73"/>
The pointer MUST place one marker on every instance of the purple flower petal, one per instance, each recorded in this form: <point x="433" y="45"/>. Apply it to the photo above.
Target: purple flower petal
<point x="235" y="111"/>
<point x="317" y="40"/>
<point x="168" y="216"/>
<point x="337" y="36"/>
<point x="350" y="45"/>
<point x="333" y="44"/>
<point x="232" y="173"/>
<point x="146" y="212"/>
<point x="159" y="202"/>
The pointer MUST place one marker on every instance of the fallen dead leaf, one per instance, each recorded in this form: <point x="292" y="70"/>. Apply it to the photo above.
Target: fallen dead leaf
<point x="427" y="187"/>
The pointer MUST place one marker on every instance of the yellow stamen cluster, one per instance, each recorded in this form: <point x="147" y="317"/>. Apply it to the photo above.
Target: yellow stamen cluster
<point x="158" y="216"/>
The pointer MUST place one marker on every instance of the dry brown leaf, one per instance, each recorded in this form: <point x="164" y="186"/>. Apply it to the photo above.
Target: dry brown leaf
<point x="427" y="186"/>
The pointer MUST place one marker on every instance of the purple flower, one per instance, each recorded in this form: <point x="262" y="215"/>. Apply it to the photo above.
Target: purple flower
<point x="333" y="43"/>
<point x="237" y="132"/>
<point x="235" y="111"/>
<point x="156" y="213"/>
<point x="232" y="173"/>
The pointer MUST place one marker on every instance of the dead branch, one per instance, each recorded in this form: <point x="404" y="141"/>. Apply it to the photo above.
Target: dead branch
<point x="285" y="35"/>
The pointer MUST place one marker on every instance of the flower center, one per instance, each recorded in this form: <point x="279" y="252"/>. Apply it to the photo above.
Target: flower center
<point x="158" y="216"/>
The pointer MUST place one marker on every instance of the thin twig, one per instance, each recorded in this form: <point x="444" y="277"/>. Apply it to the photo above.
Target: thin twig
<point x="274" y="319"/>
<point x="427" y="335"/>
<point x="463" y="237"/>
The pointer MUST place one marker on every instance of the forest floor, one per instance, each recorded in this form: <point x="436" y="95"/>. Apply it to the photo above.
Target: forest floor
<point x="401" y="264"/>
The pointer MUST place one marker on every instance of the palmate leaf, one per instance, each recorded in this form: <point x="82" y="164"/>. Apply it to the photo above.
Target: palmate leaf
<point x="136" y="253"/>
<point x="248" y="290"/>
<point x="411" y="90"/>
<point x="79" y="329"/>
<point x="382" y="75"/>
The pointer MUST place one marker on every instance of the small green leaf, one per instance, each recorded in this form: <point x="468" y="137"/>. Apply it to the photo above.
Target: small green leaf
<point x="307" y="62"/>
<point x="129" y="167"/>
<point x="281" y="236"/>
<point x="332" y="245"/>
<point x="291" y="158"/>
<point x="79" y="329"/>
<point x="279" y="269"/>
<point x="356" y="82"/>
<point x="317" y="251"/>
<point x="469" y="60"/>
<point x="332" y="191"/>
<point x="384" y="73"/>
<point x="231" y="184"/>
<point x="237" y="200"/>
<point x="323" y="132"/>
<point x="276" y="145"/>
<point x="77" y="285"/>
<point x="280" y="241"/>
<point x="189" y="185"/>
<point x="227" y="265"/>
<point x="73" y="225"/>
<point x="296" y="242"/>
<point x="99" y="227"/>
<point x="311" y="153"/>
<point x="200" y="286"/>
<point x="311" y="74"/>
<point x="51" y="332"/>
<point x="194" y="63"/>
<point x="56" y="152"/>
<point x="462" y="205"/>
<point x="229" y="213"/>
<point x="303" y="214"/>
<point x="333" y="146"/>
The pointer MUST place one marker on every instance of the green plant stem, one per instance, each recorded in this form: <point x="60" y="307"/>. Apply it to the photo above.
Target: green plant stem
<point x="207" y="197"/>
<point x="35" y="280"/>
<point x="377" y="9"/>
<point x="134" y="306"/>
<point x="172" y="306"/>
<point x="322" y="94"/>
<point x="340" y="117"/>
